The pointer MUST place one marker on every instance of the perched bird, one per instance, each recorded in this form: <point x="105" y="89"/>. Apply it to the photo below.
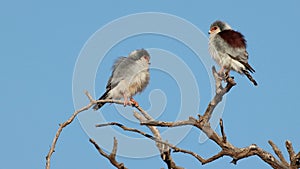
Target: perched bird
<point x="130" y="75"/>
<point x="228" y="48"/>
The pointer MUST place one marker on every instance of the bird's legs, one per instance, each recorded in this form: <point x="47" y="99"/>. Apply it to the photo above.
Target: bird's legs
<point x="224" y="74"/>
<point x="228" y="78"/>
<point x="221" y="73"/>
<point x="126" y="101"/>
<point x="134" y="103"/>
<point x="131" y="102"/>
<point x="227" y="73"/>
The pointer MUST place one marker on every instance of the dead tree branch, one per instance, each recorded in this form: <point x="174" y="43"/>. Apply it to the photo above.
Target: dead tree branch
<point x="202" y="123"/>
<point x="227" y="148"/>
<point x="294" y="158"/>
<point x="164" y="149"/>
<point x="70" y="120"/>
<point x="167" y="158"/>
<point x="220" y="92"/>
<point x="222" y="131"/>
<point x="65" y="124"/>
<point x="112" y="156"/>
<point x="278" y="153"/>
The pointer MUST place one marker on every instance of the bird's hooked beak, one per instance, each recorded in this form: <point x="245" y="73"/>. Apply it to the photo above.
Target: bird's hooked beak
<point x="209" y="32"/>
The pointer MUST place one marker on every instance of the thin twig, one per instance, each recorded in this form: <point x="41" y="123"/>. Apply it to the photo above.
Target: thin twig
<point x="163" y="148"/>
<point x="294" y="158"/>
<point x="112" y="156"/>
<point x="290" y="149"/>
<point x="176" y="149"/>
<point x="222" y="131"/>
<point x="144" y="113"/>
<point x="278" y="153"/>
<point x="70" y="120"/>
<point x="65" y="124"/>
<point x="297" y="160"/>
<point x="127" y="129"/>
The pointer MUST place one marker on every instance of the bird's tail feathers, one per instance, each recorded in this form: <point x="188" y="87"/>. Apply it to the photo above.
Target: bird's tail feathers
<point x="99" y="105"/>
<point x="250" y="77"/>
<point x="248" y="67"/>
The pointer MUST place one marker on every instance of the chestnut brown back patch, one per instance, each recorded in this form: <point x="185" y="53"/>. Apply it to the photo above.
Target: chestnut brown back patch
<point x="233" y="38"/>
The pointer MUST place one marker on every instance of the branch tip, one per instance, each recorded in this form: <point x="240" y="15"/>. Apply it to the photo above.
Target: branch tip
<point x="222" y="131"/>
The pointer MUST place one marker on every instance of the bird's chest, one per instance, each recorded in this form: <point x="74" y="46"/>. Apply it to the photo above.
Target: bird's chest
<point x="218" y="53"/>
<point x="139" y="82"/>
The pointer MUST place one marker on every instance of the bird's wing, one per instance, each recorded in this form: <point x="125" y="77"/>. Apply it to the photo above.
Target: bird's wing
<point x="235" y="45"/>
<point x="116" y="64"/>
<point x="123" y="69"/>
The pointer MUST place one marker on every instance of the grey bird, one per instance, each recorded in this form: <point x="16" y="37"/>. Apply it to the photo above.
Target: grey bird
<point x="228" y="48"/>
<point x="130" y="75"/>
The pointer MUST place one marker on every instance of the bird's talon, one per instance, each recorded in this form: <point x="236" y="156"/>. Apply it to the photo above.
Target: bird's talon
<point x="126" y="103"/>
<point x="221" y="76"/>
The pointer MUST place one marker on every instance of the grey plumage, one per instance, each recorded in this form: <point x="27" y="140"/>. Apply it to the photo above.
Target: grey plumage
<point x="130" y="75"/>
<point x="228" y="48"/>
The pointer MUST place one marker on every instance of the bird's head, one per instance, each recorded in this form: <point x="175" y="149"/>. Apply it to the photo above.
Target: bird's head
<point x="217" y="27"/>
<point x="138" y="54"/>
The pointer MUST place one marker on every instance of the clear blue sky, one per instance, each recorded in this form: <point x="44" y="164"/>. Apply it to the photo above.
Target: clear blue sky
<point x="40" y="44"/>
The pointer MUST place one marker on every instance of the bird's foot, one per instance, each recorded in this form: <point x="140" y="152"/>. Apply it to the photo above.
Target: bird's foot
<point x="126" y="103"/>
<point x="221" y="75"/>
<point x="134" y="103"/>
<point x="225" y="75"/>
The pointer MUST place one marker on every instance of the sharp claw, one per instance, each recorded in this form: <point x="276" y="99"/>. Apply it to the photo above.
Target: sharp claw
<point x="222" y="76"/>
<point x="126" y="102"/>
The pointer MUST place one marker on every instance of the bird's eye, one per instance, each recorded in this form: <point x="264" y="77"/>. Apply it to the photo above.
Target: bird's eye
<point x="214" y="28"/>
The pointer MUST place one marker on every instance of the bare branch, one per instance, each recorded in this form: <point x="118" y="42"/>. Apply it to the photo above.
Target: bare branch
<point x="191" y="121"/>
<point x="145" y="116"/>
<point x="294" y="158"/>
<point x="127" y="129"/>
<point x="220" y="92"/>
<point x="115" y="147"/>
<point x="222" y="131"/>
<point x="153" y="129"/>
<point x="227" y="148"/>
<point x="202" y="123"/>
<point x="162" y="147"/>
<point x="164" y="150"/>
<point x="297" y="160"/>
<point x="65" y="124"/>
<point x="112" y="156"/>
<point x="290" y="149"/>
<point x="278" y="153"/>
<point x="70" y="120"/>
<point x="167" y="158"/>
<point x="144" y="113"/>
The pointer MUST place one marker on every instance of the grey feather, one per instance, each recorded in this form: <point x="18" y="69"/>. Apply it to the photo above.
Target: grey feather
<point x="228" y="49"/>
<point x="222" y="47"/>
<point x="130" y="75"/>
